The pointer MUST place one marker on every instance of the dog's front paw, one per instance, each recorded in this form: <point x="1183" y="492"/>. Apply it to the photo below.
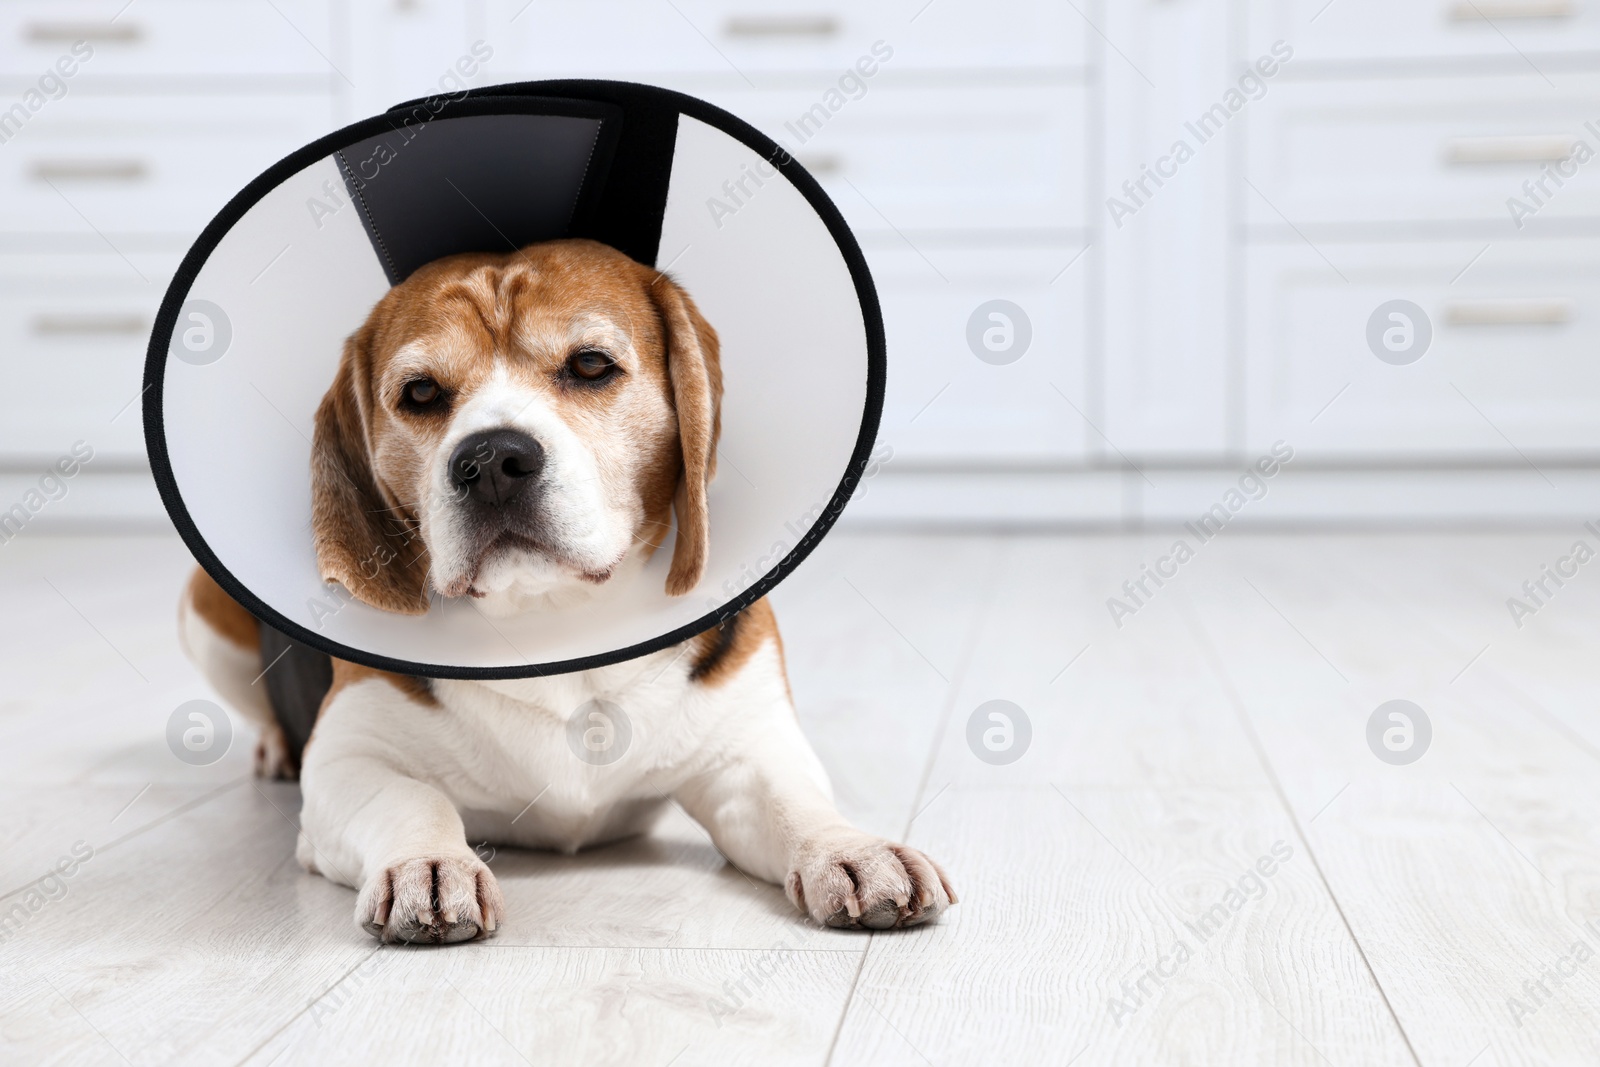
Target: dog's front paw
<point x="432" y="901"/>
<point x="856" y="880"/>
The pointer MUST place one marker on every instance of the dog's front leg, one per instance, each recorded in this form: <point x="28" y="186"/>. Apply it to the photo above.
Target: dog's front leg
<point x="399" y="841"/>
<point x="768" y="807"/>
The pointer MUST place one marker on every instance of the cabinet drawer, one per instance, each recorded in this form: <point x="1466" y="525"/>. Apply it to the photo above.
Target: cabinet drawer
<point x="1408" y="150"/>
<point x="146" y="164"/>
<point x="1512" y="349"/>
<point x="73" y="330"/>
<point x="167" y="37"/>
<point x="946" y="405"/>
<point x="1381" y="29"/>
<point x="936" y="158"/>
<point x="613" y="38"/>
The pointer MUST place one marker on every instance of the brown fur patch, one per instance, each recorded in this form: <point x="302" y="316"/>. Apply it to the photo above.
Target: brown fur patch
<point x="346" y="673"/>
<point x="721" y="653"/>
<point x="695" y="366"/>
<point x="363" y="533"/>
<point x="222" y="613"/>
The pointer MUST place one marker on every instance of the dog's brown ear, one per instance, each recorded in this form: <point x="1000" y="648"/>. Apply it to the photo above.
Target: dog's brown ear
<point x="695" y="370"/>
<point x="364" y="541"/>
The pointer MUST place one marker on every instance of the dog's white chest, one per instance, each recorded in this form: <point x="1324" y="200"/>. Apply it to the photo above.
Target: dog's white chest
<point x="561" y="762"/>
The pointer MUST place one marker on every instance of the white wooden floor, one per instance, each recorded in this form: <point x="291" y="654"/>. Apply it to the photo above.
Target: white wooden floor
<point x="1436" y="913"/>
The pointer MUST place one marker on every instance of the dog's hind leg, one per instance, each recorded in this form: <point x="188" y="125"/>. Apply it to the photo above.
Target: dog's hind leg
<point x="224" y="641"/>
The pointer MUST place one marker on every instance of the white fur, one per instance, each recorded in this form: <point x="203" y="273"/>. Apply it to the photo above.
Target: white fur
<point x="493" y="747"/>
<point x="399" y="791"/>
<point x="590" y="521"/>
<point x="235" y="673"/>
<point x="231" y="670"/>
<point x="390" y="780"/>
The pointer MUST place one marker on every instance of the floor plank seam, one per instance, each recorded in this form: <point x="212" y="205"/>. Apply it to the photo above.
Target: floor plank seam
<point x="1444" y="641"/>
<point x="1554" y="721"/>
<point x="181" y="809"/>
<point x="849" y="999"/>
<point x="1219" y="669"/>
<point x="313" y="1002"/>
<point x="969" y="651"/>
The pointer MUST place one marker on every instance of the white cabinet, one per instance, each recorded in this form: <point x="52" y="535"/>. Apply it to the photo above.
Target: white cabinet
<point x="995" y="161"/>
<point x="1223" y="306"/>
<point x="956" y="143"/>
<point x="1404" y="151"/>
<point x="1025" y="397"/>
<point x="1501" y="362"/>
<point x="170" y="39"/>
<point x="400" y="50"/>
<point x="102" y="160"/>
<point x="1168" y="387"/>
<point x="761" y="43"/>
<point x="75" y="329"/>
<point x="1421" y="153"/>
<point x="125" y="129"/>
<point x="1550" y="33"/>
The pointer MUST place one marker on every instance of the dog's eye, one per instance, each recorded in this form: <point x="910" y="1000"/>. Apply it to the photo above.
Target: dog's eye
<point x="421" y="393"/>
<point x="591" y="365"/>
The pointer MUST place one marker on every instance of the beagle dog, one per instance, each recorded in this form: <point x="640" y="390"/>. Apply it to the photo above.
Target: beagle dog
<point x="520" y="429"/>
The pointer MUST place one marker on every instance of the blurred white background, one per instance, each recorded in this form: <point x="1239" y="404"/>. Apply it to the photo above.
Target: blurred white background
<point x="1161" y="332"/>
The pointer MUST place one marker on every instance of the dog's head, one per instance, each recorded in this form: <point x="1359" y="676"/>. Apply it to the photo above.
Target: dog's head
<point x="515" y="426"/>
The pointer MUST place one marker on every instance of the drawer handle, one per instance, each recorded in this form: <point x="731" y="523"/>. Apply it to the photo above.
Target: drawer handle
<point x="768" y="26"/>
<point x="88" y="170"/>
<point x="1508" y="313"/>
<point x="1485" y="10"/>
<point x="88" y="324"/>
<point x="69" y="32"/>
<point x="822" y="166"/>
<point x="1533" y="149"/>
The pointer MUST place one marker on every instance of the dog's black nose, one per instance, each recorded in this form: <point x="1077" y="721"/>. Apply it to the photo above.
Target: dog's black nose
<point x="495" y="466"/>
